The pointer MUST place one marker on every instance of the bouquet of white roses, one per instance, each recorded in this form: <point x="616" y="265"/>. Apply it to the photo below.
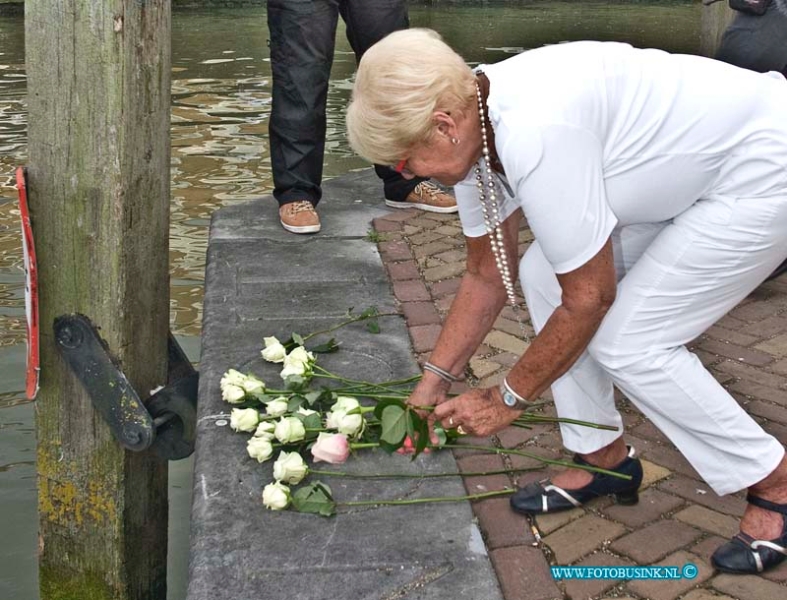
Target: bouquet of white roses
<point x="329" y="421"/>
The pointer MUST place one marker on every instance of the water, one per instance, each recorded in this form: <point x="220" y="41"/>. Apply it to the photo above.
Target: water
<point x="221" y="97"/>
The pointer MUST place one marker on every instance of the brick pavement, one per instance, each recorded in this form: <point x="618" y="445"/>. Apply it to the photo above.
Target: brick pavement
<point x="678" y="519"/>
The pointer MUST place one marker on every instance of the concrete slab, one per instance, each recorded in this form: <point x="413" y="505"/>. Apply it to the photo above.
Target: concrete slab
<point x="263" y="281"/>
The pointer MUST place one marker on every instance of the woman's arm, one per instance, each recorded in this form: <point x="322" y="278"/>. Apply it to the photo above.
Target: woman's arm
<point x="478" y="302"/>
<point x="588" y="292"/>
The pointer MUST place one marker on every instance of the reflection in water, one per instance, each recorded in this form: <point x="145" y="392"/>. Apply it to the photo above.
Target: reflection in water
<point x="221" y="93"/>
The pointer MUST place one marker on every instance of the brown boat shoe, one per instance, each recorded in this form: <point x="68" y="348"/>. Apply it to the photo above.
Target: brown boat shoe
<point x="427" y="196"/>
<point x="299" y="217"/>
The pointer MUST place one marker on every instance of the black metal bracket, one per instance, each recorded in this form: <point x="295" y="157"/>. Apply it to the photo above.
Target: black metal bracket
<point x="165" y="422"/>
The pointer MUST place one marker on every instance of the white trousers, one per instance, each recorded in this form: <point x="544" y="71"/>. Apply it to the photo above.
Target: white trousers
<point x="675" y="279"/>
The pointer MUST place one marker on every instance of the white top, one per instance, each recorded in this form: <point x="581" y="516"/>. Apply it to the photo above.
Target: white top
<point x="598" y="135"/>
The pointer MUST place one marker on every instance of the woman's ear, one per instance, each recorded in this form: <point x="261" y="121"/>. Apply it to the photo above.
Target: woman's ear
<point x="444" y="123"/>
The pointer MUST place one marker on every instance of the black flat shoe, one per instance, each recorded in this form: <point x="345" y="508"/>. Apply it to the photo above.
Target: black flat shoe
<point x="745" y="555"/>
<point x="537" y="498"/>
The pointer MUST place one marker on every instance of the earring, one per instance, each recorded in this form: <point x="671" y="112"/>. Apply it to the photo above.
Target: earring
<point x="454" y="141"/>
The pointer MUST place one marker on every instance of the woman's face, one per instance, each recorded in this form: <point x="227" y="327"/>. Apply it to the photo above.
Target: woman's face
<point x="441" y="158"/>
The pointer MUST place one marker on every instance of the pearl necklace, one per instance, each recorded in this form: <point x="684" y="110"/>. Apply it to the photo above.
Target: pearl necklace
<point x="487" y="180"/>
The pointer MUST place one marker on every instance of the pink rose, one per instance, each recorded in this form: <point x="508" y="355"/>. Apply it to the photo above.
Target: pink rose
<point x="331" y="447"/>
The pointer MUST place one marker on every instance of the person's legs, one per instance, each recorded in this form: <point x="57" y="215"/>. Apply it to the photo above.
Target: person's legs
<point x="369" y="21"/>
<point x="302" y="34"/>
<point x="585" y="392"/>
<point x="699" y="268"/>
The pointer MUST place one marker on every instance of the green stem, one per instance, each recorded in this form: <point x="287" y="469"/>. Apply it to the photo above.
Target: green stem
<point x="348" y="322"/>
<point x="546" y="461"/>
<point x="425" y="500"/>
<point x="418" y="476"/>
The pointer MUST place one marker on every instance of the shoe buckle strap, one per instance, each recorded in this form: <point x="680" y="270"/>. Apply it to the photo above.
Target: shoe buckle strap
<point x="562" y="492"/>
<point x="768" y="544"/>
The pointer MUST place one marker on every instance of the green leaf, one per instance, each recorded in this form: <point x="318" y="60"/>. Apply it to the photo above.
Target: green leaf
<point x="312" y="421"/>
<point x="297" y="338"/>
<point x="295" y="382"/>
<point x="373" y="326"/>
<point x="314" y="498"/>
<point x="394" y="422"/>
<point x="370" y="312"/>
<point x="330" y="346"/>
<point x="382" y="404"/>
<point x="421" y="437"/>
<point x="295" y="402"/>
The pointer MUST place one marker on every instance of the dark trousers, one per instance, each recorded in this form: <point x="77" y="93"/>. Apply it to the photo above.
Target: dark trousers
<point x="758" y="43"/>
<point x="302" y="39"/>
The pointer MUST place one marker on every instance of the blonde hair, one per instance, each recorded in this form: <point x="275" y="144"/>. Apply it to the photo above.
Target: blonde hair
<point x="402" y="80"/>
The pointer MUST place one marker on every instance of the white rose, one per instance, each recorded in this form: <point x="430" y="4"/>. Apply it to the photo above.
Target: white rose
<point x="306" y="411"/>
<point x="232" y="377"/>
<point x="274" y="350"/>
<point x="244" y="419"/>
<point x="289" y="429"/>
<point x="297" y="362"/>
<point x="232" y="394"/>
<point x="277" y="407"/>
<point x="259" y="448"/>
<point x="289" y="468"/>
<point x="254" y="387"/>
<point x="349" y="425"/>
<point x="345" y="403"/>
<point x="276" y="496"/>
<point x="265" y="430"/>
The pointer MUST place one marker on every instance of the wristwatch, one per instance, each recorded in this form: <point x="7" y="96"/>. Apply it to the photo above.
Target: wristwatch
<point x="511" y="399"/>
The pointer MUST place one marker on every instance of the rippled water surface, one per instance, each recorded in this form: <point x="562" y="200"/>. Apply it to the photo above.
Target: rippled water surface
<point x="220" y="104"/>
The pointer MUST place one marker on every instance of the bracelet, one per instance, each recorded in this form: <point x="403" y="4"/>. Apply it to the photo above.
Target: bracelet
<point x="441" y="373"/>
<point x="512" y="392"/>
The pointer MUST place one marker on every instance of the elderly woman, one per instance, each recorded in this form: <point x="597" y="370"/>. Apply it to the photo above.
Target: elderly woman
<point x="656" y="188"/>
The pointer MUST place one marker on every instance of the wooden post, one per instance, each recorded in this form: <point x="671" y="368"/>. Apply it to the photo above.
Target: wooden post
<point x="99" y="180"/>
<point x="715" y="19"/>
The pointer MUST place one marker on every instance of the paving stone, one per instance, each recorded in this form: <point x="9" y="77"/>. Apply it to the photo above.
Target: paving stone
<point x="501" y="526"/>
<point x="410" y="291"/>
<point x="770" y="411"/>
<point x="424" y="337"/>
<point x="449" y="271"/>
<point x="699" y="493"/>
<point x="750" y="356"/>
<point x="750" y="373"/>
<point x="779" y="574"/>
<point x="591" y="588"/>
<point x="394" y="251"/>
<point x="707" y="546"/>
<point x="442" y="288"/>
<point x="749" y="587"/>
<point x="452" y="256"/>
<point x="776" y="345"/>
<point x="507" y="342"/>
<point x="524" y="574"/>
<point x="512" y="437"/>
<point x="655" y="541"/>
<point x="763" y="392"/>
<point x="663" y="455"/>
<point x="479" y="463"/>
<point x="780" y="366"/>
<point x="383" y="225"/>
<point x="753" y="311"/>
<point x="482" y="367"/>
<point x="404" y="270"/>
<point x="652" y="473"/>
<point x="728" y="335"/>
<point x="652" y="505"/>
<point x="429" y="249"/>
<point x="704" y="595"/>
<point x="709" y="520"/>
<point x="552" y="522"/>
<point x="420" y="313"/>
<point x="648" y="430"/>
<point x="670" y="589"/>
<point x="425" y="238"/>
<point x="582" y="536"/>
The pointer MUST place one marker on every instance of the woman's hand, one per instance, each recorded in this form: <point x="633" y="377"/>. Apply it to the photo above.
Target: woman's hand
<point x="478" y="412"/>
<point x="429" y="392"/>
